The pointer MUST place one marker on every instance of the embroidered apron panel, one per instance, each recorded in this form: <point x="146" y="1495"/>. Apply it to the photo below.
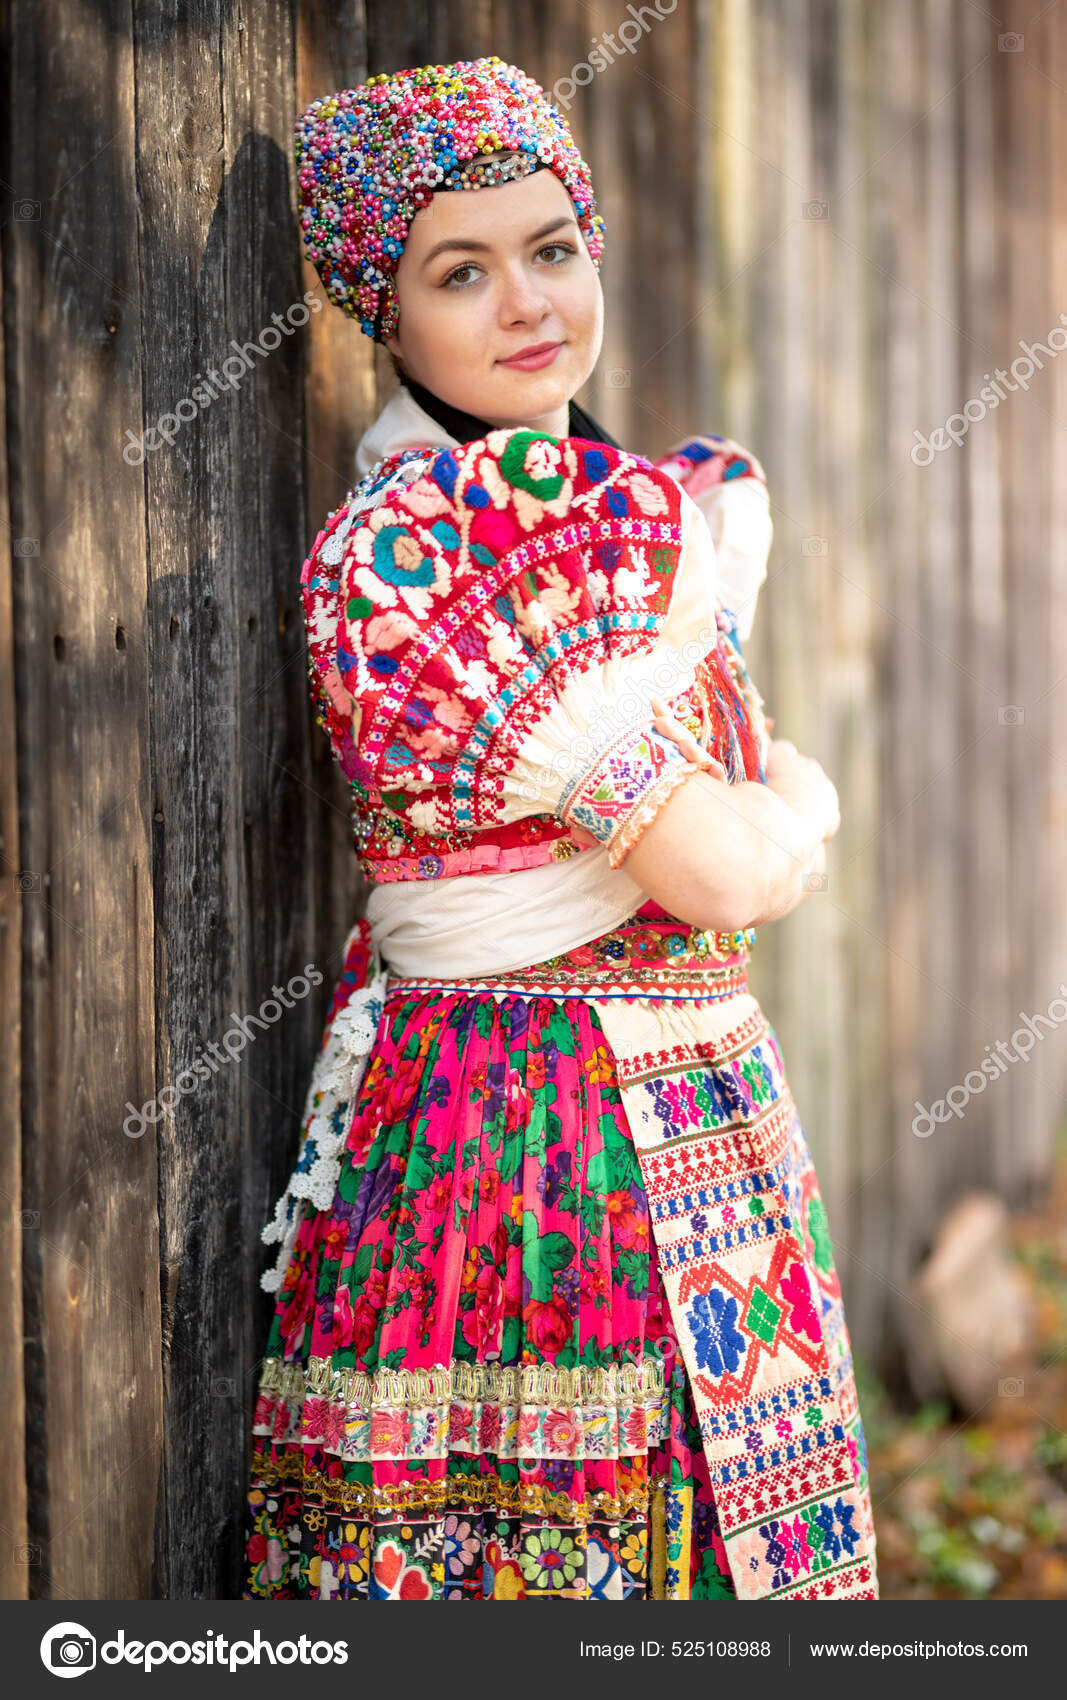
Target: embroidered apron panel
<point x="749" y="1272"/>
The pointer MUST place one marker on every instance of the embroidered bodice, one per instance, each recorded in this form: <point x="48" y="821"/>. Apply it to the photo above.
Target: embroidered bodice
<point x="484" y="623"/>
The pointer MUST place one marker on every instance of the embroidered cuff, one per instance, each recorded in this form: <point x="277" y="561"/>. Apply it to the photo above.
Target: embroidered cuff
<point x="621" y="791"/>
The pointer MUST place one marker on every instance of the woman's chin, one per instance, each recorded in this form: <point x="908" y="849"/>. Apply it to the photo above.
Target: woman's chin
<point x="529" y="394"/>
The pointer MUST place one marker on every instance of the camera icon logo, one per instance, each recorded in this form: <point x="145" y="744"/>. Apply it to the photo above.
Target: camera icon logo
<point x="68" y="1649"/>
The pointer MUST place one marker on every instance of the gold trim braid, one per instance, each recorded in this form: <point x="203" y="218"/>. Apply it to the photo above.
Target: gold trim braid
<point x="452" y="1493"/>
<point x="525" y="1384"/>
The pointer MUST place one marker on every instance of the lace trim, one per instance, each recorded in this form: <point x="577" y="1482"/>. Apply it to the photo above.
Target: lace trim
<point x="335" y="1081"/>
<point x="645" y="813"/>
<point x="370" y="492"/>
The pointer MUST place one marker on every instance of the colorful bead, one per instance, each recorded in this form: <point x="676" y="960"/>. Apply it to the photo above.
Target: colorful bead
<point x="369" y="158"/>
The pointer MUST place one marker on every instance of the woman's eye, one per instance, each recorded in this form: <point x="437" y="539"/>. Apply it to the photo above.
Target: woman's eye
<point x="469" y="266"/>
<point x="454" y="274"/>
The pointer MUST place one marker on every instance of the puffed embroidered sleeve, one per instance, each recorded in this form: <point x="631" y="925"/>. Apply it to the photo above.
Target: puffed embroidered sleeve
<point x="729" y="486"/>
<point x="498" y="625"/>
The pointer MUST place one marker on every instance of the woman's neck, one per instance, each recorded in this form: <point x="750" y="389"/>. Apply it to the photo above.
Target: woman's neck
<point x="467" y="428"/>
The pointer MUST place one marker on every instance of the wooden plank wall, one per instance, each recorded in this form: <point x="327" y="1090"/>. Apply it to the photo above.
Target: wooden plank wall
<point x="825" y="222"/>
<point x="86" y="912"/>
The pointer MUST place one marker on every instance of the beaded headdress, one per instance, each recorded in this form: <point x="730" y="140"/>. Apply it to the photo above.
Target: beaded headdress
<point x="369" y="158"/>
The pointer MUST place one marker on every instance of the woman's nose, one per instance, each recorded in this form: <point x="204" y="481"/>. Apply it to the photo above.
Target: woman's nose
<point x="522" y="297"/>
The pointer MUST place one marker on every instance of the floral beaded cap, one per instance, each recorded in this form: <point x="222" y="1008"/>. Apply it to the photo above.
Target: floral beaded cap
<point x="369" y="158"/>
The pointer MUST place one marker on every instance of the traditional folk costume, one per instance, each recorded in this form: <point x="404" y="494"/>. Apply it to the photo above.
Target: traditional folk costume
<point x="557" y="1309"/>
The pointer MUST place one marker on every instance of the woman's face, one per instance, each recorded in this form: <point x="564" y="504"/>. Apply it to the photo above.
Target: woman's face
<point x="482" y="277"/>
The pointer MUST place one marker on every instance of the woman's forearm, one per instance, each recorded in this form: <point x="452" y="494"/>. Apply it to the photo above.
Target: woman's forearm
<point x="725" y="856"/>
<point x="809" y="884"/>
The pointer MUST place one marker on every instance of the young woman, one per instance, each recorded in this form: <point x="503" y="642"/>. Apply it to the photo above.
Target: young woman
<point x="557" y="1309"/>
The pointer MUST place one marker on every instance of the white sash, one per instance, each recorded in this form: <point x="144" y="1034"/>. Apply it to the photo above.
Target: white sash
<point x="473" y="925"/>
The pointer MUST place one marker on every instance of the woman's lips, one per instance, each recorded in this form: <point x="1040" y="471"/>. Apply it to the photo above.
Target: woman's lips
<point x="532" y="362"/>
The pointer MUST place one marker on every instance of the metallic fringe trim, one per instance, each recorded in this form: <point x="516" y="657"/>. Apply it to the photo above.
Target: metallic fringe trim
<point x="649" y="986"/>
<point x="452" y="1493"/>
<point x="657" y="1540"/>
<point x="526" y="1384"/>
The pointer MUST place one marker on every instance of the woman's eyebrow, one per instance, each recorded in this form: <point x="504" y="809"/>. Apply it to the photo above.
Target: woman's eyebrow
<point x="484" y="247"/>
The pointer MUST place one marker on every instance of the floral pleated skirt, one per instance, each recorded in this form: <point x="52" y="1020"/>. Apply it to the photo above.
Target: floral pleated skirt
<point x="472" y="1386"/>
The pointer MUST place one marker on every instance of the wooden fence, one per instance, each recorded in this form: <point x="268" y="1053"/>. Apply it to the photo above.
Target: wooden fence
<point x="826" y="221"/>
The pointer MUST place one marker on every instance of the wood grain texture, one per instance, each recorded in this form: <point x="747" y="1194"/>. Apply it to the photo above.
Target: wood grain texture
<point x="92" y="1309"/>
<point x="16" y="1556"/>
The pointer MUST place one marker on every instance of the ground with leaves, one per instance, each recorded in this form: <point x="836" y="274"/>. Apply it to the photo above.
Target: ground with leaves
<point x="978" y="1509"/>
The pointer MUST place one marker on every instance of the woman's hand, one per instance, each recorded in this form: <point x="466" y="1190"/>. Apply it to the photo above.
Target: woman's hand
<point x="803" y="784"/>
<point x="580" y="836"/>
<point x="666" y="724"/>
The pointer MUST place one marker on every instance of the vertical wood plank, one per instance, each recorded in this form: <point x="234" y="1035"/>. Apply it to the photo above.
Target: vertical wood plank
<point x="856" y="473"/>
<point x="985" y="941"/>
<point x="897" y="950"/>
<point x="937" y="1166"/>
<point x="1031" y="298"/>
<point x="94" y="1390"/>
<point x="730" y="177"/>
<point x="786" y="662"/>
<point x="1054" y="822"/>
<point x="342" y="397"/>
<point x="663" y="110"/>
<point x="16" y="1557"/>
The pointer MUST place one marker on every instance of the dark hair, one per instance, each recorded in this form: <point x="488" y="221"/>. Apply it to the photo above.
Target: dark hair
<point x="398" y="367"/>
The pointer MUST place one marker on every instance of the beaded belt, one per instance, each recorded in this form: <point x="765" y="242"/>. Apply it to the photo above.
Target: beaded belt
<point x="650" y="955"/>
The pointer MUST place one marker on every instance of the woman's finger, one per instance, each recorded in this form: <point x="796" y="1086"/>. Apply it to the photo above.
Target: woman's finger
<point x="694" y="751"/>
<point x="680" y="734"/>
<point x="689" y="746"/>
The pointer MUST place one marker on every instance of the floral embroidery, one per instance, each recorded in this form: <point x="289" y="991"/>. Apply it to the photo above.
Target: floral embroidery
<point x="550" y="1559"/>
<point x="448" y="601"/>
<point x="719" y="1343"/>
<point x="607" y="796"/>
